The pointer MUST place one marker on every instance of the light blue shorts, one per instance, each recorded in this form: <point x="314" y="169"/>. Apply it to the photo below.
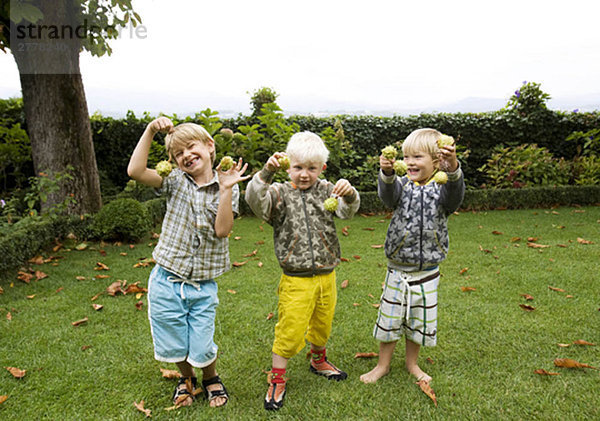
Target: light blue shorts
<point x="182" y="318"/>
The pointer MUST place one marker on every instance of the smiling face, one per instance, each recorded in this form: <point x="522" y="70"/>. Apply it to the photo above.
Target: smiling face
<point x="194" y="158"/>
<point x="420" y="166"/>
<point x="304" y="175"/>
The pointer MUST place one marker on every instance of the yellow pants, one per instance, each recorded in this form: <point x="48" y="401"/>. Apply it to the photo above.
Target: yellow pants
<point x="306" y="308"/>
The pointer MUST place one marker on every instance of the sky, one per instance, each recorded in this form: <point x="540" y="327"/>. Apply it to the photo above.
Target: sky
<point x="330" y="55"/>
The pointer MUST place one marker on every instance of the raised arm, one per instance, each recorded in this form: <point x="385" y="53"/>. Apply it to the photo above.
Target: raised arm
<point x="138" y="163"/>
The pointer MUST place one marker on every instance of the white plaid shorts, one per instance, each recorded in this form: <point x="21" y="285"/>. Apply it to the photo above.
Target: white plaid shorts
<point x="408" y="307"/>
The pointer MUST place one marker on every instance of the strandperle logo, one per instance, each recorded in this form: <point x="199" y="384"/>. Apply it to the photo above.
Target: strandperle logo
<point x="31" y="31"/>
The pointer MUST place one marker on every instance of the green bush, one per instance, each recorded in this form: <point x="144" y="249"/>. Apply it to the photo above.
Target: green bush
<point x="524" y="166"/>
<point x="122" y="219"/>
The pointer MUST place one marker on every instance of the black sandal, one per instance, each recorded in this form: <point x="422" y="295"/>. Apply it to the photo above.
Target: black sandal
<point x="213" y="394"/>
<point x="182" y="389"/>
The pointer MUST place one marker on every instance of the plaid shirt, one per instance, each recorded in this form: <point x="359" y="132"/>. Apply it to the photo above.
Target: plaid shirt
<point x="188" y="245"/>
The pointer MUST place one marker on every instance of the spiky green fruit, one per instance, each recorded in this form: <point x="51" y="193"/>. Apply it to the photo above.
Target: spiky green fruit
<point x="226" y="163"/>
<point x="164" y="168"/>
<point x="445" y="140"/>
<point x="227" y="133"/>
<point x="330" y="204"/>
<point x="284" y="163"/>
<point x="440" y="177"/>
<point x="389" y="152"/>
<point x="400" y="167"/>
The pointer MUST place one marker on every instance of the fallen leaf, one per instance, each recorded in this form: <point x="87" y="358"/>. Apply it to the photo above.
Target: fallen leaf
<point x="426" y="388"/>
<point x="238" y="264"/>
<point x="357" y="257"/>
<point x="569" y="363"/>
<point x="377" y="246"/>
<point x="430" y="360"/>
<point x="568" y="296"/>
<point x="114" y="288"/>
<point x="344" y="284"/>
<point x="102" y="252"/>
<point x="80" y="278"/>
<point x="532" y="239"/>
<point x="101" y="266"/>
<point x="139" y="305"/>
<point x="527" y="297"/>
<point x="343" y="259"/>
<point x="375" y="305"/>
<point x="537" y="246"/>
<point x="345" y="230"/>
<point x="170" y="374"/>
<point x="545" y="373"/>
<point x="95" y="297"/>
<point x="260" y="264"/>
<point x="484" y="250"/>
<point x="564" y="345"/>
<point x="59" y="290"/>
<point x="37" y="260"/>
<point x="81" y="246"/>
<point x="237" y="238"/>
<point x="582" y="342"/>
<point x="497" y="233"/>
<point x="356" y="304"/>
<point x="16" y="372"/>
<point x="123" y="253"/>
<point x="140" y="407"/>
<point x="515" y="239"/>
<point x="40" y="275"/>
<point x="582" y="241"/>
<point x="366" y="355"/>
<point x="270" y="316"/>
<point x="463" y="270"/>
<point x="231" y="291"/>
<point x="24" y="276"/>
<point x="101" y="276"/>
<point x="468" y="289"/>
<point x="368" y="229"/>
<point x="556" y="289"/>
<point x="30" y="297"/>
<point x="138" y="295"/>
<point x="253" y="253"/>
<point x="259" y="243"/>
<point x="84" y="347"/>
<point x="526" y="307"/>
<point x="8" y="316"/>
<point x="80" y="322"/>
<point x="135" y="289"/>
<point x="3" y="399"/>
<point x="564" y="246"/>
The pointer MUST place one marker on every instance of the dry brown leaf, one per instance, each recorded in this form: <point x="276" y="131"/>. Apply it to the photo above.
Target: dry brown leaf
<point x="357" y="257"/>
<point x="59" y="290"/>
<point x="537" y="246"/>
<point x="135" y="289"/>
<point x="556" y="289"/>
<point x="527" y="297"/>
<point x="497" y="233"/>
<point x="569" y="363"/>
<point x="343" y="259"/>
<point x="114" y="288"/>
<point x="545" y="373"/>
<point x="24" y="276"/>
<point x="252" y="253"/>
<point x="260" y="264"/>
<point x="484" y="250"/>
<point x="37" y="260"/>
<point x="564" y="246"/>
<point x="270" y="316"/>
<point x="1" y="290"/>
<point x="344" y="284"/>
<point x="80" y="322"/>
<point x="97" y="307"/>
<point x="95" y="297"/>
<point x="356" y="304"/>
<point x="238" y="264"/>
<point x="582" y="241"/>
<point x="40" y="275"/>
<point x="140" y="407"/>
<point x="526" y="307"/>
<point x="345" y="230"/>
<point x="430" y="360"/>
<point x="3" y="399"/>
<point x="564" y="345"/>
<point x="582" y="342"/>
<point x="170" y="374"/>
<point x="17" y="373"/>
<point x="368" y="229"/>
<point x="375" y="305"/>
<point x="426" y="388"/>
<point x="30" y="297"/>
<point x="101" y="266"/>
<point x="101" y="276"/>
<point x="467" y="289"/>
<point x="81" y="246"/>
<point x="377" y="246"/>
<point x="515" y="239"/>
<point x="237" y="238"/>
<point x="463" y="271"/>
<point x="139" y="305"/>
<point x="80" y="278"/>
<point x="232" y="291"/>
<point x="9" y="316"/>
<point x="102" y="252"/>
<point x="366" y="355"/>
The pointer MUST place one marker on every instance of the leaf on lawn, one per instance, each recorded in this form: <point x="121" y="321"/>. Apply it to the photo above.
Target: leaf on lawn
<point x="343" y="259"/>
<point x="532" y="239"/>
<point x="1" y="290"/>
<point x="97" y="307"/>
<point x="81" y="246"/>
<point x="101" y="266"/>
<point x="238" y="264"/>
<point x="9" y="316"/>
<point x="40" y="275"/>
<point x="368" y="229"/>
<point x="357" y="257"/>
<point x="253" y="253"/>
<point x="345" y="230"/>
<point x="497" y="233"/>
<point x="356" y="304"/>
<point x="114" y="288"/>
<point x="582" y="342"/>
<point x="140" y="407"/>
<point x="375" y="305"/>
<point x="30" y="297"/>
<point x="463" y="271"/>
<point x="59" y="290"/>
<point x="260" y="264"/>
<point x="80" y="278"/>
<point x="377" y="246"/>
<point x="582" y="241"/>
<point x="556" y="289"/>
<point x="24" y="276"/>
<point x="270" y="316"/>
<point x="366" y="355"/>
<point x="259" y="243"/>
<point x="170" y="374"/>
<point x="101" y="276"/>
<point x="564" y="246"/>
<point x="527" y="297"/>
<point x="37" y="260"/>
<point x="467" y="289"/>
<point x="102" y="252"/>
<point x="3" y="399"/>
<point x="515" y="239"/>
<point x="139" y="305"/>
<point x="135" y="289"/>
<point x="344" y="284"/>
<point x="80" y="322"/>
<point x="237" y="238"/>
<point x="564" y="345"/>
<point x="95" y="297"/>
<point x="526" y="307"/>
<point x="430" y="360"/>
<point x="569" y="363"/>
<point x="17" y="373"/>
<point x="543" y="372"/>
<point x="537" y="246"/>
<point x="426" y="388"/>
<point x="484" y="250"/>
<point x="232" y="291"/>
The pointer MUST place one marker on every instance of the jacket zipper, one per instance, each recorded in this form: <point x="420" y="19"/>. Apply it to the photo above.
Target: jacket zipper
<point x="421" y="231"/>
<point x="312" y="253"/>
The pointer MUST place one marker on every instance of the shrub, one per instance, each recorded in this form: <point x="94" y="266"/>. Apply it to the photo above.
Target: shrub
<point x="524" y="166"/>
<point x="122" y="219"/>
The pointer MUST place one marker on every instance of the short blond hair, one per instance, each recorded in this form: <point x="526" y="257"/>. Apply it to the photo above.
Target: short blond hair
<point x="184" y="135"/>
<point x="307" y="147"/>
<point x="422" y="140"/>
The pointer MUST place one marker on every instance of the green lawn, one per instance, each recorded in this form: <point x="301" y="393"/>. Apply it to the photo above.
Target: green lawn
<point x="483" y="366"/>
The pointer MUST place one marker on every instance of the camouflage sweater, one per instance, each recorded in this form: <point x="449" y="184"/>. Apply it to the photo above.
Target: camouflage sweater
<point x="417" y="238"/>
<point x="304" y="233"/>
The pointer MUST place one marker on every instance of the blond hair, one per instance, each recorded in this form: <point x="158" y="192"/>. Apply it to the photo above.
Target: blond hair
<point x="186" y="134"/>
<point x="307" y="147"/>
<point x="422" y="140"/>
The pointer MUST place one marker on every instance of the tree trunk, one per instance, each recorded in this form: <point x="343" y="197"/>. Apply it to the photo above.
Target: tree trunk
<point x="56" y="111"/>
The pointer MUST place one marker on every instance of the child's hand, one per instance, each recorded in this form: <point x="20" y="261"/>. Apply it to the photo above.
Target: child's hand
<point x="229" y="178"/>
<point x="342" y="188"/>
<point x="387" y="165"/>
<point x="448" y="160"/>
<point x="273" y="164"/>
<point x="161" y="124"/>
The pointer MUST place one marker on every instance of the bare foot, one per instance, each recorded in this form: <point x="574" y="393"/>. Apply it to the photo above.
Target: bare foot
<point x="416" y="371"/>
<point x="374" y="375"/>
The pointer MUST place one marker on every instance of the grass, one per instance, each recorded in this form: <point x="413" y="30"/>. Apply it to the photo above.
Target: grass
<point x="483" y="366"/>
